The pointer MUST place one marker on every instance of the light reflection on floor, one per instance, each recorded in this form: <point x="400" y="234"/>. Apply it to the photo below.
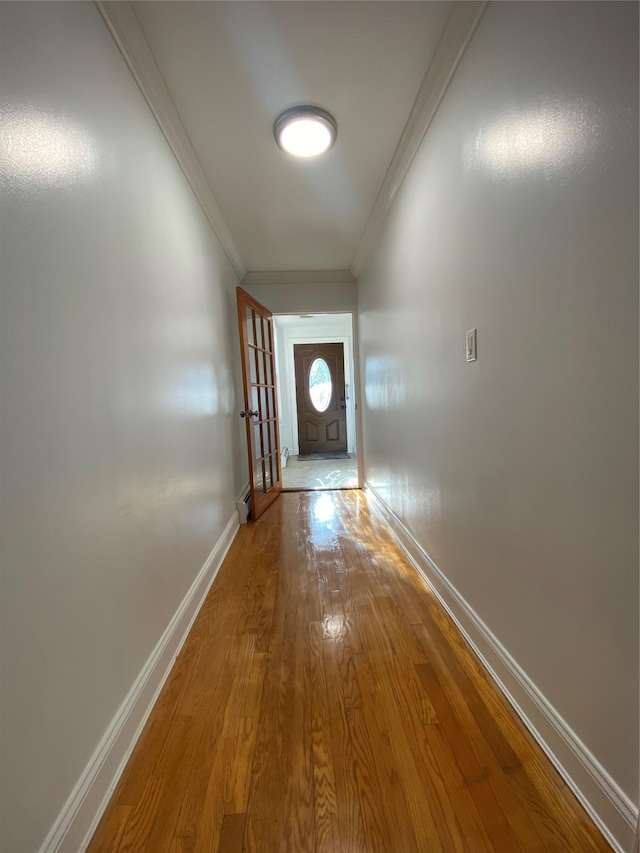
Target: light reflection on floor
<point x="320" y="474"/>
<point x="324" y="508"/>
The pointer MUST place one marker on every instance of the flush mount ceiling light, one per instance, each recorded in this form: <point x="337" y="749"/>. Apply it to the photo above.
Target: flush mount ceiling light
<point x="305" y="131"/>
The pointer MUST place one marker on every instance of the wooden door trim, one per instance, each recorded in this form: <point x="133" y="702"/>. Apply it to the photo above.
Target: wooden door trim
<point x="259" y="502"/>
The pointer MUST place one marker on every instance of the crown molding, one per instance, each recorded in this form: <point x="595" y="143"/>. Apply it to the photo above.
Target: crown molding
<point x="299" y="277"/>
<point x="127" y="33"/>
<point x="460" y="27"/>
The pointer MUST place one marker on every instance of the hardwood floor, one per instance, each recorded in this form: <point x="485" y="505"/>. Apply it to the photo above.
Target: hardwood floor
<point x="324" y="701"/>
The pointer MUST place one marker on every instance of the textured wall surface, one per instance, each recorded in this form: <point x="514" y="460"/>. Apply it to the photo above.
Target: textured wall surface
<point x="518" y="473"/>
<point x="122" y="455"/>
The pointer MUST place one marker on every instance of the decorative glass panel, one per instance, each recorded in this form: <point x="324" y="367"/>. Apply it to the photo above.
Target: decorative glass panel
<point x="260" y="478"/>
<point x="249" y="325"/>
<point x="271" y="398"/>
<point x="257" y="434"/>
<point x="320" y="385"/>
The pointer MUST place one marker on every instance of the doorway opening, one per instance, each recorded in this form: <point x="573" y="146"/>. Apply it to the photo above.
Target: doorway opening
<point x="316" y="401"/>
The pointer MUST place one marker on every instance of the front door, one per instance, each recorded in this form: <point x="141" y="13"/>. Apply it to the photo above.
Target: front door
<point x="320" y="397"/>
<point x="260" y="401"/>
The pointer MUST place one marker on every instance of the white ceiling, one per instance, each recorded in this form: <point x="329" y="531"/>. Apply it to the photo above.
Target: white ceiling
<point x="232" y="67"/>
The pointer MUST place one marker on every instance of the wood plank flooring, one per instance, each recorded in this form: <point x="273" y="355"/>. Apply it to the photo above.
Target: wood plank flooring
<point x="324" y="701"/>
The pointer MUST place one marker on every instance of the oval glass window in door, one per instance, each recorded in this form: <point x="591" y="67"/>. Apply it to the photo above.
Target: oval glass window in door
<point x="320" y="385"/>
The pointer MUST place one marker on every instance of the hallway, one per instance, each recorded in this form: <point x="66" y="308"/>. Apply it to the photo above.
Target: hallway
<point x="470" y="236"/>
<point x="324" y="701"/>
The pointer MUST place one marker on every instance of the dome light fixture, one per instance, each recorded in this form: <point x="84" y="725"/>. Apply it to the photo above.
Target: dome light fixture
<point x="305" y="131"/>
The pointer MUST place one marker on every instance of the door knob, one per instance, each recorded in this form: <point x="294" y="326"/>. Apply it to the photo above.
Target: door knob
<point x="249" y="414"/>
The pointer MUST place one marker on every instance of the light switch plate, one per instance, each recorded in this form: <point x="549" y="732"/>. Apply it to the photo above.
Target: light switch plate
<point x="472" y="345"/>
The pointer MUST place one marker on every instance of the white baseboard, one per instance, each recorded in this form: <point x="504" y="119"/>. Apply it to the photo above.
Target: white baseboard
<point x="79" y="818"/>
<point x="607" y="804"/>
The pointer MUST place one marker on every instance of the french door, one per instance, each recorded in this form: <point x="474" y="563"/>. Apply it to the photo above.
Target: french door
<point x="260" y="401"/>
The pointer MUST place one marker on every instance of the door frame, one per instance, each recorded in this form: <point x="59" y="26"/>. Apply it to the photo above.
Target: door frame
<point x="348" y="372"/>
<point x="356" y="394"/>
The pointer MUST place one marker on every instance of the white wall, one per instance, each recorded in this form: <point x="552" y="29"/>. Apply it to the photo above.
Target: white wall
<point x="518" y="473"/>
<point x="317" y="329"/>
<point x="121" y="448"/>
<point x="304" y="298"/>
